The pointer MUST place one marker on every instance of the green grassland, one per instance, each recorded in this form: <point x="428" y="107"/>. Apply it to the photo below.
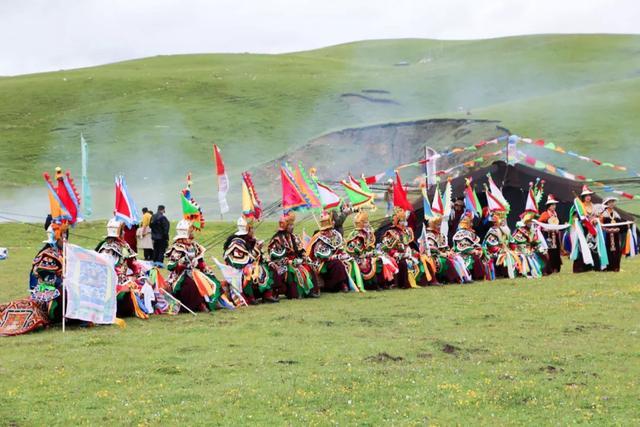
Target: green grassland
<point x="559" y="350"/>
<point x="158" y="116"/>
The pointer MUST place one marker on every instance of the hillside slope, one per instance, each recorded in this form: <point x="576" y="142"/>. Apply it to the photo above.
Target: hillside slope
<point x="155" y="118"/>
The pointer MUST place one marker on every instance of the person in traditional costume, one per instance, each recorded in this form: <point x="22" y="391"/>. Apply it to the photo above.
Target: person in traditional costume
<point x="133" y="297"/>
<point x="243" y="252"/>
<point x="589" y="220"/>
<point x="396" y="243"/>
<point x="612" y="234"/>
<point x="376" y="268"/>
<point x="552" y="237"/>
<point x="503" y="261"/>
<point x="337" y="269"/>
<point x="44" y="305"/>
<point x="192" y="281"/>
<point x="289" y="265"/>
<point x="449" y="266"/>
<point x="466" y="243"/>
<point x="527" y="244"/>
<point x="46" y="273"/>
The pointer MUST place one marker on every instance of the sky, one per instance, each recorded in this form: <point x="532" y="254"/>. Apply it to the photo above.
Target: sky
<point x="46" y="35"/>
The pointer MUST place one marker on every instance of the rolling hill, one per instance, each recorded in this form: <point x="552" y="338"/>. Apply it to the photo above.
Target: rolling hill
<point x="155" y="118"/>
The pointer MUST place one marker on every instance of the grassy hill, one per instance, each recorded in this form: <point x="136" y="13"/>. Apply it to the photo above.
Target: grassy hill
<point x="560" y="350"/>
<point x="155" y="118"/>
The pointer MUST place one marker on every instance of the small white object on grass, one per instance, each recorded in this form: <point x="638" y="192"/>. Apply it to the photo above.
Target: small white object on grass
<point x="4" y="253"/>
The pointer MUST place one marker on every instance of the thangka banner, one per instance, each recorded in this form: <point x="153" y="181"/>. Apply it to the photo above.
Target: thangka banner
<point x="90" y="283"/>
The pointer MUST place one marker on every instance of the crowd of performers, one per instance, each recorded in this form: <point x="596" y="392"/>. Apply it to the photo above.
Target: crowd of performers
<point x="482" y="247"/>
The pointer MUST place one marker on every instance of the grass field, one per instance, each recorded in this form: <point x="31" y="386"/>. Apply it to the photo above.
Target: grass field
<point x="560" y="350"/>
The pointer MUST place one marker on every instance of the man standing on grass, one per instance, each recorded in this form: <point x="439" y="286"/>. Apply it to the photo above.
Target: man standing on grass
<point x="388" y="198"/>
<point x="160" y="235"/>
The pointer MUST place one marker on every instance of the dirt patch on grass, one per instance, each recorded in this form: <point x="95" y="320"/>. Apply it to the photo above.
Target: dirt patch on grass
<point x="383" y="357"/>
<point x="550" y="369"/>
<point x="288" y="362"/>
<point x="450" y="349"/>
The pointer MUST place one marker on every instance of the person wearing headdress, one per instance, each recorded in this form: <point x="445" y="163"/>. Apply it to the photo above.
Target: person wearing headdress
<point x="396" y="243"/>
<point x="44" y="304"/>
<point x="333" y="265"/>
<point x="466" y="243"/>
<point x="552" y="237"/>
<point x="590" y="220"/>
<point x="527" y="245"/>
<point x="192" y="281"/>
<point x="612" y="234"/>
<point x="289" y="265"/>
<point x="131" y="280"/>
<point x="361" y="245"/>
<point x="454" y="219"/>
<point x="46" y="273"/>
<point x="449" y="266"/>
<point x="243" y="252"/>
<point x="503" y="261"/>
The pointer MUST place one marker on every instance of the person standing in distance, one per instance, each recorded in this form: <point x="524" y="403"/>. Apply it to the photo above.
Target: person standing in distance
<point x="160" y="235"/>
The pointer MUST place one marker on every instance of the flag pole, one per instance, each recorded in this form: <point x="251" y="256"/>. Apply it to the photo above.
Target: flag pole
<point x="316" y="219"/>
<point x="64" y="274"/>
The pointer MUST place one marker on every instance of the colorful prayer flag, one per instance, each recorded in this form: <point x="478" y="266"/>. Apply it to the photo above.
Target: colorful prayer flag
<point x="223" y="180"/>
<point x="90" y="283"/>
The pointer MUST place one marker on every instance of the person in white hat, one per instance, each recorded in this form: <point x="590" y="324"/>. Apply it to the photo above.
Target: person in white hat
<point x="191" y="279"/>
<point x="243" y="252"/>
<point x="127" y="269"/>
<point x="612" y="234"/>
<point x="579" y="266"/>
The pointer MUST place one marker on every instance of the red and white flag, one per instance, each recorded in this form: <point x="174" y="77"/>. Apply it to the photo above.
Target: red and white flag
<point x="374" y="179"/>
<point x="125" y="209"/>
<point x="223" y="180"/>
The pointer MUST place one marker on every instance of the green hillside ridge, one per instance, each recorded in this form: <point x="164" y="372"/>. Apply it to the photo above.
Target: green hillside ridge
<point x="155" y="119"/>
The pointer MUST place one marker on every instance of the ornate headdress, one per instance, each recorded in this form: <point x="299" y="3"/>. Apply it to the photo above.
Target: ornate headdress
<point x="435" y="222"/>
<point x="183" y="230"/>
<point x="399" y="215"/>
<point x="466" y="221"/>
<point x="114" y="228"/>
<point x="245" y="225"/>
<point x="326" y="221"/>
<point x="361" y="220"/>
<point x="286" y="220"/>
